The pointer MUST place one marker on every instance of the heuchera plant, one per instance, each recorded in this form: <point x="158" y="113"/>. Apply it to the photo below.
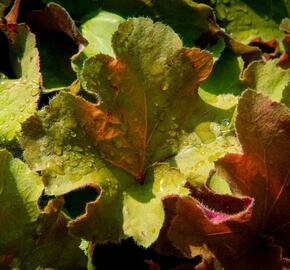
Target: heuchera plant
<point x="144" y="120"/>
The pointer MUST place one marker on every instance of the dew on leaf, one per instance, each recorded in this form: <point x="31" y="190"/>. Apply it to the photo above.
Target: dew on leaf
<point x="10" y="135"/>
<point x="77" y="149"/>
<point x="73" y="163"/>
<point x="70" y="123"/>
<point x="165" y="86"/>
<point x="35" y="91"/>
<point x="57" y="149"/>
<point x="225" y="122"/>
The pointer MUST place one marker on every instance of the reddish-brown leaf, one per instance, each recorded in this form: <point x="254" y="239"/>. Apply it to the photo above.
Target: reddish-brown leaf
<point x="248" y="229"/>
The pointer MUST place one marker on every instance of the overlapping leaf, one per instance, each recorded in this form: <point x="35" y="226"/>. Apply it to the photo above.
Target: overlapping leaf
<point x="250" y="229"/>
<point x="246" y="20"/>
<point x="31" y="238"/>
<point x="98" y="28"/>
<point x="277" y="84"/>
<point x="53" y="25"/>
<point x="284" y="61"/>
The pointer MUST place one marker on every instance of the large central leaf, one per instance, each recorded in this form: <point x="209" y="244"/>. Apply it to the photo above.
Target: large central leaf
<point x="148" y="110"/>
<point x="152" y="73"/>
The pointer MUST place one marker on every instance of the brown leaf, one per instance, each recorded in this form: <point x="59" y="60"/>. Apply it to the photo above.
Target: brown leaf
<point x="11" y="17"/>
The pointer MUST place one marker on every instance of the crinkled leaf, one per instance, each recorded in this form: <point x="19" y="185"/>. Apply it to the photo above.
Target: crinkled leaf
<point x="29" y="237"/>
<point x="246" y="20"/>
<point x="76" y="143"/>
<point x="268" y="79"/>
<point x="19" y="97"/>
<point x="53" y="25"/>
<point x="163" y="102"/>
<point x="74" y="161"/>
<point x="251" y="228"/>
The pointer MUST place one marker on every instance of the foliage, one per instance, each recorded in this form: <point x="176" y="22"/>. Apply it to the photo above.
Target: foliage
<point x="144" y="120"/>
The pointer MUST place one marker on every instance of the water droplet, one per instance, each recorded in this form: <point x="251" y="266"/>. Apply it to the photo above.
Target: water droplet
<point x="20" y="118"/>
<point x="175" y="126"/>
<point x="173" y="118"/>
<point x="90" y="163"/>
<point x="161" y="184"/>
<point x="172" y="133"/>
<point x="156" y="69"/>
<point x="165" y="86"/>
<point x="73" y="134"/>
<point x="10" y="135"/>
<point x="70" y="123"/>
<point x="77" y="149"/>
<point x="225" y="122"/>
<point x="22" y="108"/>
<point x="35" y="92"/>
<point x="73" y="163"/>
<point x="199" y="164"/>
<point x="57" y="150"/>
<point x="170" y="141"/>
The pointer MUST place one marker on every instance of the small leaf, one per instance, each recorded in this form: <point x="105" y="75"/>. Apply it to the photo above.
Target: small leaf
<point x="277" y="84"/>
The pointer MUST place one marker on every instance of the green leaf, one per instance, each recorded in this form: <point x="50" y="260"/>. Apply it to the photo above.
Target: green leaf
<point x="28" y="237"/>
<point x="197" y="161"/>
<point x="72" y="161"/>
<point x="246" y="20"/>
<point x="225" y="77"/>
<point x="20" y="189"/>
<point x="176" y="72"/>
<point x="75" y="143"/>
<point x="19" y="97"/>
<point x="268" y="79"/>
<point x="98" y="28"/>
